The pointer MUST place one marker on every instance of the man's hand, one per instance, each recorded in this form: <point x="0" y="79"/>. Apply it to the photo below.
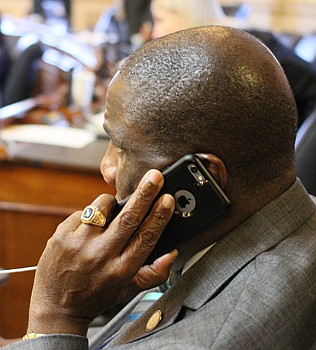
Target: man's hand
<point x="86" y="269"/>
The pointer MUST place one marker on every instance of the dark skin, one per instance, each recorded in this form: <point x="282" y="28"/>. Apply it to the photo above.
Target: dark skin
<point x="125" y="161"/>
<point x="94" y="269"/>
<point x="86" y="269"/>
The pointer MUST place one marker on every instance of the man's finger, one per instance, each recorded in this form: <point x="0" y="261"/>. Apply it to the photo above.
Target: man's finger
<point x="135" y="210"/>
<point x="148" y="234"/>
<point x="105" y="204"/>
<point x="157" y="273"/>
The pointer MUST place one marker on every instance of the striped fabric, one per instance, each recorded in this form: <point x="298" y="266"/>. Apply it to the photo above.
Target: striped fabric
<point x="145" y="302"/>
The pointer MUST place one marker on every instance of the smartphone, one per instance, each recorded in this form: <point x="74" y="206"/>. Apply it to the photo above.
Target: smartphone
<point x="198" y="201"/>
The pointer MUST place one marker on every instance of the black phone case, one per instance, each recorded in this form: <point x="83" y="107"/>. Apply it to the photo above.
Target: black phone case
<point x="205" y="197"/>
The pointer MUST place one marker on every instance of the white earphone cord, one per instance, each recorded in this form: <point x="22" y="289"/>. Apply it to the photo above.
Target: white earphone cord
<point x="21" y="269"/>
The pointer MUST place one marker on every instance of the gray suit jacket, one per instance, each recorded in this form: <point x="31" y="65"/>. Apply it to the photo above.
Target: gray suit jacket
<point x="255" y="289"/>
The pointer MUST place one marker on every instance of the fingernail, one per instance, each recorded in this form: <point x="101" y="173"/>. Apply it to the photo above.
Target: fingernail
<point x="174" y="254"/>
<point x="167" y="202"/>
<point x="154" y="177"/>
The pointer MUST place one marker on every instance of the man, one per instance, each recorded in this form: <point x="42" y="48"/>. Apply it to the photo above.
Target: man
<point x="219" y="93"/>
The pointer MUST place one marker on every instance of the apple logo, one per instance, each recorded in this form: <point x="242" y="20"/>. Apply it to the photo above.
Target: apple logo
<point x="185" y="203"/>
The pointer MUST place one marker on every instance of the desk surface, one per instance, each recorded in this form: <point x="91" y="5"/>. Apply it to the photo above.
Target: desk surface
<point x="87" y="159"/>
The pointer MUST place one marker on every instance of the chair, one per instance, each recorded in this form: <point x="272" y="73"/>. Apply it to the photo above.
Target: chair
<point x="305" y="149"/>
<point x="288" y="39"/>
<point x="300" y="73"/>
<point x="21" y="77"/>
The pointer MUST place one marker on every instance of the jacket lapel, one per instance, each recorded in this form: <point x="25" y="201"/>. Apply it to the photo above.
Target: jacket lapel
<point x="169" y="305"/>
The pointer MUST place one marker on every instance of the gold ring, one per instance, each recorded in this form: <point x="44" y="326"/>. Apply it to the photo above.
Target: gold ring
<point x="93" y="216"/>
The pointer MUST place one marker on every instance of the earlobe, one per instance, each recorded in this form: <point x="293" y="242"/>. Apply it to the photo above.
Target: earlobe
<point x="216" y="167"/>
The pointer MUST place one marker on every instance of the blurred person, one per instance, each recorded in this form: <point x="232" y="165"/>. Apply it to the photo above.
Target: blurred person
<point x="128" y="25"/>
<point x="139" y="20"/>
<point x="172" y="15"/>
<point x="113" y="22"/>
<point x="129" y="21"/>
<point x="56" y="13"/>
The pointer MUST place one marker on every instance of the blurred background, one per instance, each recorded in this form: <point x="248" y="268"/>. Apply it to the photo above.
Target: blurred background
<point x="293" y="16"/>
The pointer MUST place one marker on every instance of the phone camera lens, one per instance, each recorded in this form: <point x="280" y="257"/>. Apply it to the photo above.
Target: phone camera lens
<point x="194" y="169"/>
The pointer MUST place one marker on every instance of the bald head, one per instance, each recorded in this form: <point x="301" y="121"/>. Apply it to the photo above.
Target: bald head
<point x="216" y="90"/>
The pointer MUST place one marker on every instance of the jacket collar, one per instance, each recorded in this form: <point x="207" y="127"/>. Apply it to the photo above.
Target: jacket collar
<point x="259" y="233"/>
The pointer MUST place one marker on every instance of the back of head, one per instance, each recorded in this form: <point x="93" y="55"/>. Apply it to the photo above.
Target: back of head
<point x="216" y="90"/>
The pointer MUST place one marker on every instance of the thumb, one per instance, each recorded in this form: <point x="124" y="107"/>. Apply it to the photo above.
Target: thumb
<point x="157" y="273"/>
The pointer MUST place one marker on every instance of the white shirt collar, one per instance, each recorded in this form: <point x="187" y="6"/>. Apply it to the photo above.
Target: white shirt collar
<point x="195" y="258"/>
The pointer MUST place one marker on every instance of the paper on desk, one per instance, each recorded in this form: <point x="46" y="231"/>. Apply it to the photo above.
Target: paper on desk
<point x="48" y="135"/>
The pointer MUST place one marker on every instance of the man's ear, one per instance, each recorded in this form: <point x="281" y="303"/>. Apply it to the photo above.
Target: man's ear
<point x="216" y="167"/>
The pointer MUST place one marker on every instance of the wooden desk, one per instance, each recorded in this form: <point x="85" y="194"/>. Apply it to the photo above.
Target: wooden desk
<point x="40" y="186"/>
